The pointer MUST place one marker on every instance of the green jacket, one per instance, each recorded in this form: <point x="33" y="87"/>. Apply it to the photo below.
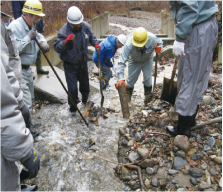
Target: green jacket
<point x="188" y="13"/>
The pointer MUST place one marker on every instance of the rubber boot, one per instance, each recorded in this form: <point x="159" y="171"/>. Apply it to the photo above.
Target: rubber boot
<point x="84" y="98"/>
<point x="25" y="187"/>
<point x="34" y="133"/>
<point x="39" y="68"/>
<point x="104" y="82"/>
<point x="129" y="92"/>
<point x="73" y="109"/>
<point x="194" y="116"/>
<point x="183" y="126"/>
<point x="148" y="94"/>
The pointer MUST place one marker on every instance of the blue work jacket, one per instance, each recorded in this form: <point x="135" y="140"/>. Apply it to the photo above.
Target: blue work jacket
<point x="108" y="49"/>
<point x="79" y="52"/>
<point x="188" y="13"/>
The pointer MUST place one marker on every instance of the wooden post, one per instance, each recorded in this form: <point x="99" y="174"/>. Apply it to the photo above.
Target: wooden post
<point x="123" y="101"/>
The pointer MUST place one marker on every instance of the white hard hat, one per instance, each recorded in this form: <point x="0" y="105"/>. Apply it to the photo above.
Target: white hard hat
<point x="74" y="15"/>
<point x="122" y="39"/>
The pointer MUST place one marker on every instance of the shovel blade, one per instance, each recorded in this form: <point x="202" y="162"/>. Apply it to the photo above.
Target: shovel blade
<point x="169" y="90"/>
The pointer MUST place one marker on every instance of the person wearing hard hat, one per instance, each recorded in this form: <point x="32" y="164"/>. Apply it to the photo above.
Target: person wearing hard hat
<point x="16" y="140"/>
<point x="25" y="34"/>
<point x="196" y="38"/>
<point x="138" y="51"/>
<point x="17" y="7"/>
<point x="72" y="45"/>
<point x="109" y="47"/>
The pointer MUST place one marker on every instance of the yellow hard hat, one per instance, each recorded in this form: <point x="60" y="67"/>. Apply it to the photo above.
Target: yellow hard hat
<point x="33" y="7"/>
<point x="140" y="37"/>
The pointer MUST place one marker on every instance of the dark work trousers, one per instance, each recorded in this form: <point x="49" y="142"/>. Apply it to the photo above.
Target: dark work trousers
<point x="74" y="74"/>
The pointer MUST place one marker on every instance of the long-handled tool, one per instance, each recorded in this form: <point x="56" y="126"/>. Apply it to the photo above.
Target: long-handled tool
<point x="154" y="85"/>
<point x="73" y="102"/>
<point x="169" y="89"/>
<point x="99" y="69"/>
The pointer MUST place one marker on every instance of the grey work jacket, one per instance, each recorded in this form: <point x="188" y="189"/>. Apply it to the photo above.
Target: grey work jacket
<point x="16" y="140"/>
<point x="28" y="49"/>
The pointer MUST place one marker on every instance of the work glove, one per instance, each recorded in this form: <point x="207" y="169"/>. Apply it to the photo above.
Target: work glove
<point x="120" y="82"/>
<point x="32" y="164"/>
<point x="157" y="49"/>
<point x="32" y="33"/>
<point x="98" y="46"/>
<point x="178" y="48"/>
<point x="69" y="40"/>
<point x="26" y="115"/>
<point x="45" y="46"/>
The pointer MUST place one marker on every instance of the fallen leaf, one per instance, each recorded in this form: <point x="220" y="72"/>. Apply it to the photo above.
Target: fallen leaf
<point x="62" y="133"/>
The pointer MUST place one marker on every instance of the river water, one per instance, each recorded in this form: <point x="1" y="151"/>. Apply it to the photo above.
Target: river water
<point x="65" y="165"/>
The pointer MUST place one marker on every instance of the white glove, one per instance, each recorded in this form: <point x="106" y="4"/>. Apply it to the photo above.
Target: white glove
<point x="178" y="48"/>
<point x="32" y="34"/>
<point x="45" y="46"/>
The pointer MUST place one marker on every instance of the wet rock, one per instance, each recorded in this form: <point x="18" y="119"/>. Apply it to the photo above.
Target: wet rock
<point x="181" y="153"/>
<point x="133" y="156"/>
<point x="172" y="172"/>
<point x="196" y="157"/>
<point x="212" y="172"/>
<point x="182" y="142"/>
<point x="211" y="142"/>
<point x="149" y="163"/>
<point x="126" y="178"/>
<point x="154" y="182"/>
<point x="130" y="143"/>
<point x="178" y="162"/>
<point x="218" y="143"/>
<point x="147" y="183"/>
<point x="192" y="151"/>
<point x="121" y="131"/>
<point x="162" y="183"/>
<point x="195" y="172"/>
<point x="124" y="170"/>
<point x="174" y="181"/>
<point x="204" y="185"/>
<point x="204" y="166"/>
<point x="124" y="143"/>
<point x="193" y="181"/>
<point x="155" y="169"/>
<point x="149" y="171"/>
<point x="208" y="100"/>
<point x="207" y="148"/>
<point x="143" y="152"/>
<point x="132" y="133"/>
<point x="218" y="160"/>
<point x="138" y="137"/>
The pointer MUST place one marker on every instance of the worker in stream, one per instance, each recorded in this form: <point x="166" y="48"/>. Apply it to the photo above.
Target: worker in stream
<point x="138" y="51"/>
<point x="196" y="39"/>
<point x="109" y="47"/>
<point x="72" y="45"/>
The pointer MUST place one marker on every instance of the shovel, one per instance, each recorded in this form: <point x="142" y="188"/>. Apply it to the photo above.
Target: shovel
<point x="169" y="89"/>
<point x="155" y="75"/>
<point x="99" y="69"/>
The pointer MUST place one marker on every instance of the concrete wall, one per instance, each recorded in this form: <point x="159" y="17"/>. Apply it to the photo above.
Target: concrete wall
<point x="99" y="25"/>
<point x="167" y="25"/>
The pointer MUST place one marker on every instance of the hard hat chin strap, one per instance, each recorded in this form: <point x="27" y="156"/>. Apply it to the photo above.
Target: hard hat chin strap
<point x="30" y="19"/>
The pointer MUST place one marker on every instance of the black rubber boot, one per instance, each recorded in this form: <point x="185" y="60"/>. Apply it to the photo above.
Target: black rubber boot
<point x="183" y="126"/>
<point x="25" y="187"/>
<point x="148" y="94"/>
<point x="84" y="98"/>
<point x="34" y="133"/>
<point x="129" y="92"/>
<point x="194" y="116"/>
<point x="73" y="109"/>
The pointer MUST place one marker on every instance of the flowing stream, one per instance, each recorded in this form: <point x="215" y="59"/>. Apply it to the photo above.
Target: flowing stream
<point x="65" y="165"/>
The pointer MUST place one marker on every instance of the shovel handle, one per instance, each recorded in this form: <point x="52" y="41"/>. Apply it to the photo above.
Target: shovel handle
<point x="174" y="69"/>
<point x="155" y="75"/>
